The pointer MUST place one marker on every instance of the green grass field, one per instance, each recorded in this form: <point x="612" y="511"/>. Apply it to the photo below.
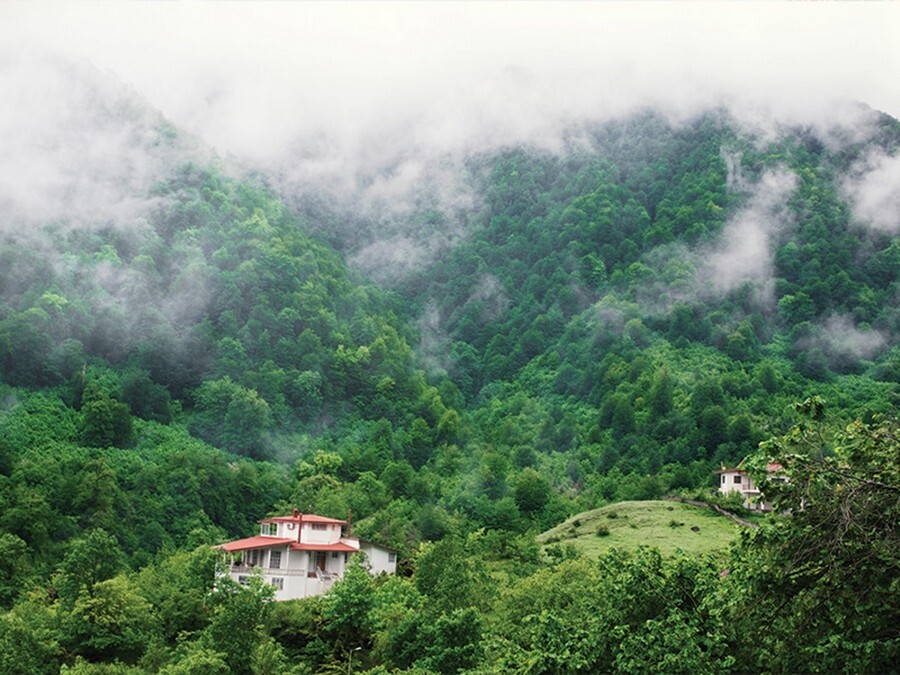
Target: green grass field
<point x="627" y="525"/>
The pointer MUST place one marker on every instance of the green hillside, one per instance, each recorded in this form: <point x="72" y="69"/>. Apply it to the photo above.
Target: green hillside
<point x="666" y="525"/>
<point x="574" y="347"/>
<point x="609" y="323"/>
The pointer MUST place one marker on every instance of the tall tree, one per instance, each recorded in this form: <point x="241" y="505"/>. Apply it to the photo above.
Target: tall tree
<point x="815" y="590"/>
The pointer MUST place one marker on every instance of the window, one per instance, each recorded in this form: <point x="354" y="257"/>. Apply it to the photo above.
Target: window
<point x="335" y="554"/>
<point x="392" y="557"/>
<point x="275" y="559"/>
<point x="319" y="527"/>
<point x="278" y="583"/>
<point x="270" y="529"/>
<point x="254" y="557"/>
<point x="723" y="479"/>
<point x="737" y="479"/>
<point x="243" y="581"/>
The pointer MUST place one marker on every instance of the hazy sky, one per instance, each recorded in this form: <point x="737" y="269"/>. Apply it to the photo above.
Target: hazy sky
<point x="251" y="76"/>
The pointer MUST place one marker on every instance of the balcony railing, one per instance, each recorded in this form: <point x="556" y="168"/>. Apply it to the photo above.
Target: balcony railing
<point x="266" y="571"/>
<point x="321" y="575"/>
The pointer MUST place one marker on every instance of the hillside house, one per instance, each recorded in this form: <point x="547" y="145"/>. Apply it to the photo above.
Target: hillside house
<point x="738" y="480"/>
<point x="301" y="554"/>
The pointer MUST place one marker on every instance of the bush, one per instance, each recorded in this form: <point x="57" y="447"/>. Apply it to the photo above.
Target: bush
<point x="733" y="502"/>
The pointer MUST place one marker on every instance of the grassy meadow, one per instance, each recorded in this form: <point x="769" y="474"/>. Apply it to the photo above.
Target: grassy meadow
<point x="667" y="525"/>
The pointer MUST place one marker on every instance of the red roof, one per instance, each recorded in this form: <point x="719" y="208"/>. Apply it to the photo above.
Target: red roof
<point x="725" y="470"/>
<point x="255" y="542"/>
<point x="372" y="543"/>
<point x="304" y="517"/>
<point x="280" y="519"/>
<point x="771" y="467"/>
<point x="336" y="546"/>
<point x="309" y="518"/>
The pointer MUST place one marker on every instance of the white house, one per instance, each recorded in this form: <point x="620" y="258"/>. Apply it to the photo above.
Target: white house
<point x="301" y="554"/>
<point x="738" y="480"/>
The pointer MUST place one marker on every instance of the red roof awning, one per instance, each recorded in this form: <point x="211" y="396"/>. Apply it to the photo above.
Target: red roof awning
<point x="336" y="546"/>
<point x="310" y="518"/>
<point x="303" y="517"/>
<point x="255" y="542"/>
<point x="771" y="467"/>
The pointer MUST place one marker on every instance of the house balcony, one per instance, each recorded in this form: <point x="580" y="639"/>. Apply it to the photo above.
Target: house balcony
<point x="265" y="571"/>
<point x="237" y="571"/>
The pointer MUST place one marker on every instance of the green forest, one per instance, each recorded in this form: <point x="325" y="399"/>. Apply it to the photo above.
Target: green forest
<point x="613" y="322"/>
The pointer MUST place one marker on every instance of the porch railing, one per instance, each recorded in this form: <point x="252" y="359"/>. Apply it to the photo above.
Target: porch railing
<point x="268" y="571"/>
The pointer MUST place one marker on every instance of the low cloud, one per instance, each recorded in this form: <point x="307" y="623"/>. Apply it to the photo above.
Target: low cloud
<point x="843" y="337"/>
<point x="384" y="128"/>
<point x="490" y="296"/>
<point x="81" y="154"/>
<point x="79" y="147"/>
<point x="744" y="253"/>
<point x="873" y="191"/>
<point x="387" y="259"/>
<point x="373" y="98"/>
<point x="433" y="350"/>
<point x="842" y="342"/>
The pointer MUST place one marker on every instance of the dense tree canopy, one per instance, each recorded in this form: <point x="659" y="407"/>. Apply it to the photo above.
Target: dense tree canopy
<point x="592" y="335"/>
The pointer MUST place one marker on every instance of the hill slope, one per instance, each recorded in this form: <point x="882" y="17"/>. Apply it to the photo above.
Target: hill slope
<point x="668" y="526"/>
<point x="613" y="320"/>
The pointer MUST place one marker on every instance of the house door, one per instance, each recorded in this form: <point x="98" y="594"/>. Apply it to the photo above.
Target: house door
<point x="321" y="557"/>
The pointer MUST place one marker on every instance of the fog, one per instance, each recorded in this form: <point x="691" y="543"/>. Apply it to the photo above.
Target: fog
<point x="343" y="86"/>
<point x="372" y="106"/>
<point x="744" y="253"/>
<point x="873" y="190"/>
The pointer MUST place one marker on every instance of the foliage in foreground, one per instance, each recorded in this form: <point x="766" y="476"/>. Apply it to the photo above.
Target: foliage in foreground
<point x="826" y="578"/>
<point x="576" y="356"/>
<point x="813" y="589"/>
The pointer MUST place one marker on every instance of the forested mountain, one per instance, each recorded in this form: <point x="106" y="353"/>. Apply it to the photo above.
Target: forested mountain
<point x="663" y="295"/>
<point x="612" y="319"/>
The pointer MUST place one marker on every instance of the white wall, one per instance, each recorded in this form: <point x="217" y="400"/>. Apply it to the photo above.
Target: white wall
<point x="329" y="535"/>
<point x="730" y="486"/>
<point x="379" y="558"/>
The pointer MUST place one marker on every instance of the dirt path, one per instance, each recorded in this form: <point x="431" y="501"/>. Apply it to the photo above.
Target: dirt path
<point x="716" y="508"/>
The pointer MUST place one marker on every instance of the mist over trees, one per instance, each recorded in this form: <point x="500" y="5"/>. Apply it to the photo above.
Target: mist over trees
<point x="610" y="318"/>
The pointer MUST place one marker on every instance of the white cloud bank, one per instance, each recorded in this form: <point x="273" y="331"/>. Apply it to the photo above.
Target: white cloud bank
<point x="744" y="252"/>
<point x="344" y="80"/>
<point x="874" y="191"/>
<point x="379" y="101"/>
<point x="844" y="338"/>
<point x="76" y="145"/>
